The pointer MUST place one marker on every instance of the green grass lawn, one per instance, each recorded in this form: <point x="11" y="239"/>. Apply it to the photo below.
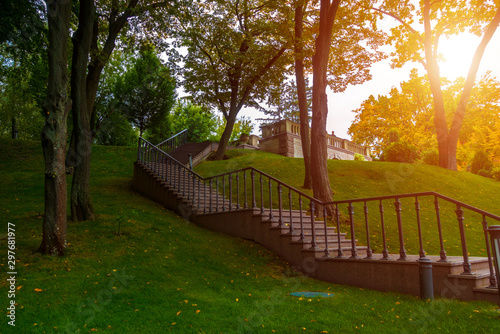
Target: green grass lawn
<point x="162" y="274"/>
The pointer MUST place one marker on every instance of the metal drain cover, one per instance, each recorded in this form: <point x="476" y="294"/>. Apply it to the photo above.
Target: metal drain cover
<point x="311" y="294"/>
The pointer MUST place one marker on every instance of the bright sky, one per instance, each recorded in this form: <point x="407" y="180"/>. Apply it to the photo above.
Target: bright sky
<point x="458" y="52"/>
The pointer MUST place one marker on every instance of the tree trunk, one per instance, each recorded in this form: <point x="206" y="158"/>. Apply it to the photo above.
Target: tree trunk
<point x="319" y="155"/>
<point x="81" y="204"/>
<point x="54" y="133"/>
<point x="226" y="135"/>
<point x="302" y="96"/>
<point x="14" y="127"/>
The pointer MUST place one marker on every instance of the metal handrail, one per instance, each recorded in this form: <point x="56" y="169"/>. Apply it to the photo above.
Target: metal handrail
<point x="186" y="181"/>
<point x="171" y="138"/>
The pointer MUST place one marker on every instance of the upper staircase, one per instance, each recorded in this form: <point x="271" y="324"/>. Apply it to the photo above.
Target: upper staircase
<point x="251" y="204"/>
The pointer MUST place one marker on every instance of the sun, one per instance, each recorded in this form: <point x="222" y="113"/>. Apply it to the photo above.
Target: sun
<point x="457" y="53"/>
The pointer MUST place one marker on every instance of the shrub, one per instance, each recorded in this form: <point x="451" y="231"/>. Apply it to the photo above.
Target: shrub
<point x="431" y="157"/>
<point x="495" y="173"/>
<point x="480" y="161"/>
<point x="359" y="157"/>
<point x="401" y="152"/>
<point x="485" y="173"/>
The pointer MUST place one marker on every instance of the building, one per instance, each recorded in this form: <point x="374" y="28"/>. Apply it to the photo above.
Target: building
<point x="283" y="138"/>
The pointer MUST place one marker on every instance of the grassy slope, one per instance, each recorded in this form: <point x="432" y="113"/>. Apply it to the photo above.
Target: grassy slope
<point x="164" y="274"/>
<point x="358" y="179"/>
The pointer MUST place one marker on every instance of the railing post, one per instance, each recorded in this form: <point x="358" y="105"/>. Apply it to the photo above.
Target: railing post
<point x="223" y="193"/>
<point x="139" y="149"/>
<point x="261" y="195"/>
<point x="460" y="218"/>
<point x="493" y="278"/>
<point x="313" y="229"/>
<point x="402" y="250"/>
<point x="369" y="251"/>
<point x="385" y="252"/>
<point x="217" y="194"/>
<point x="237" y="190"/>
<point x="230" y="178"/>
<point x="442" y="253"/>
<point x="254" y="202"/>
<point x="210" y="192"/>
<point x="280" y="204"/>
<point x="354" y="250"/>
<point x="271" y="217"/>
<point x="290" y="208"/>
<point x="327" y="251"/>
<point x="421" y="251"/>
<point x="495" y="247"/>
<point x="245" y="188"/>
<point x="301" y="219"/>
<point x="340" y="253"/>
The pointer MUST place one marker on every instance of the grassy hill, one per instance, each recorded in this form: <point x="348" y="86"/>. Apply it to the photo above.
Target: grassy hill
<point x="140" y="269"/>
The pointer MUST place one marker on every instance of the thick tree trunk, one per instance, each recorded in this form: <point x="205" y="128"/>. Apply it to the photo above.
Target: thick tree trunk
<point x="226" y="135"/>
<point x="81" y="204"/>
<point x="302" y="96"/>
<point x="319" y="155"/>
<point x="14" y="127"/>
<point x="54" y="133"/>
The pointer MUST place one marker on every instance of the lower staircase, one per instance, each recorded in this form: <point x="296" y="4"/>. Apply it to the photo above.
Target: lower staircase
<point x="253" y="205"/>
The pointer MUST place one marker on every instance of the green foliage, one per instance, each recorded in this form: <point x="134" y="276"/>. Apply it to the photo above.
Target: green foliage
<point x="359" y="157"/>
<point x="117" y="131"/>
<point x="146" y="92"/>
<point x="393" y="135"/>
<point x="400" y="151"/>
<point x="242" y="125"/>
<point x="198" y="119"/>
<point x="480" y="162"/>
<point x="495" y="173"/>
<point x="431" y="157"/>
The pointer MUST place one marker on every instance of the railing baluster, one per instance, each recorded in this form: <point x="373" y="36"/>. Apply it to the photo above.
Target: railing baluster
<point x="237" y="190"/>
<point x="270" y="201"/>
<point x="442" y="253"/>
<point x="280" y="204"/>
<point x="340" y="253"/>
<point x="402" y="250"/>
<point x="217" y="194"/>
<point x="301" y="220"/>
<point x="230" y="181"/>
<point x="493" y="279"/>
<point x="290" y="208"/>
<point x="354" y="249"/>
<point x="385" y="252"/>
<point x="223" y="192"/>
<point x="211" y="195"/>
<point x="254" y="202"/>
<point x="460" y="218"/>
<point x="327" y="251"/>
<point x="369" y="251"/>
<point x="421" y="252"/>
<point x="313" y="230"/>
<point x="245" y="188"/>
<point x="261" y="195"/>
<point x="179" y="179"/>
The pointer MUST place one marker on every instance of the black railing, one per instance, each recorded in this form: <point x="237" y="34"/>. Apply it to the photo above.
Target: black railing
<point x="250" y="188"/>
<point x="173" y="142"/>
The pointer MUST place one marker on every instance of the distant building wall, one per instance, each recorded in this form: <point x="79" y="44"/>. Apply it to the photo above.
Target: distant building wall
<point x="284" y="138"/>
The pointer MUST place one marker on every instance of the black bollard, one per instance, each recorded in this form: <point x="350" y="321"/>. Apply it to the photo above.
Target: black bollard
<point x="425" y="274"/>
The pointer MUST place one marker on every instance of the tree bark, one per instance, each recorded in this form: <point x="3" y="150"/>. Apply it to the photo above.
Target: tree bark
<point x="319" y="155"/>
<point x="81" y="204"/>
<point x="55" y="109"/>
<point x="14" y="127"/>
<point x="302" y="96"/>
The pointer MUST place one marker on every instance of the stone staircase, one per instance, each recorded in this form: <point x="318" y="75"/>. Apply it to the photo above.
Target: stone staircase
<point x="313" y="251"/>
